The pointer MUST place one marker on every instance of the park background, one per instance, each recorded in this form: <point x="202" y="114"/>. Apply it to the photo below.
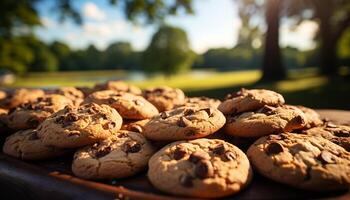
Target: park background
<point x="300" y="48"/>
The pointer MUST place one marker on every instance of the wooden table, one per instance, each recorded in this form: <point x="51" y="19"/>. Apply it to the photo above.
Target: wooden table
<point x="52" y="179"/>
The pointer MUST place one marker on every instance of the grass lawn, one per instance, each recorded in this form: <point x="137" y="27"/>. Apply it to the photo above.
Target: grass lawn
<point x="302" y="87"/>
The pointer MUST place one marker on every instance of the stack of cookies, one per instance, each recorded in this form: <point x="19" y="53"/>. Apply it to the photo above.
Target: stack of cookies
<point x="118" y="130"/>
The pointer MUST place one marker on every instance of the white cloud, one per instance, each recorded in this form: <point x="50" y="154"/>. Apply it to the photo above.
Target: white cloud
<point x="48" y="23"/>
<point x="92" y="11"/>
<point x="301" y="37"/>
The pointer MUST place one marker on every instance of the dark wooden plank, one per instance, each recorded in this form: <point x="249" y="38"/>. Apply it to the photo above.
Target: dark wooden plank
<point x="52" y="179"/>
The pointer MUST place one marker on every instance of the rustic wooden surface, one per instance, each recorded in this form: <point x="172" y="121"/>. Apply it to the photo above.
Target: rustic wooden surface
<point x="52" y="179"/>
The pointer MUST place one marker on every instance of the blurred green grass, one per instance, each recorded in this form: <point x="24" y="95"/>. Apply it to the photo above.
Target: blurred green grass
<point x="302" y="87"/>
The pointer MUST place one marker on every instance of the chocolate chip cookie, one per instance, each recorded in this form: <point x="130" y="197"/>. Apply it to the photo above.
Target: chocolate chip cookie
<point x="71" y="93"/>
<point x="26" y="145"/>
<point x="119" y="86"/>
<point x="31" y="114"/>
<point x="164" y="98"/>
<point x="265" y="121"/>
<point x="128" y="105"/>
<point x="302" y="161"/>
<point x="184" y="123"/>
<point x="338" y="134"/>
<point x="205" y="168"/>
<point x="20" y="96"/>
<point x="249" y="100"/>
<point x="312" y="117"/>
<point x="79" y="126"/>
<point x="201" y="102"/>
<point x="121" y="155"/>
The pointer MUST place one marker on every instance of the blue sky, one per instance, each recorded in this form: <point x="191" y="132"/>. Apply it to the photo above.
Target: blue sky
<point x="214" y="24"/>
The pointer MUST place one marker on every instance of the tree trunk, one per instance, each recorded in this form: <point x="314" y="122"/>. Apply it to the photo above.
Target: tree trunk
<point x="328" y="65"/>
<point x="273" y="68"/>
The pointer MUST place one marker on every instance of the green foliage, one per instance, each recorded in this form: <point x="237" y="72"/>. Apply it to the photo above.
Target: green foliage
<point x="15" y="55"/>
<point x="168" y="52"/>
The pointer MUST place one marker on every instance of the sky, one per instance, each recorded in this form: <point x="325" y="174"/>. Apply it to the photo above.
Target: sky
<point x="214" y="24"/>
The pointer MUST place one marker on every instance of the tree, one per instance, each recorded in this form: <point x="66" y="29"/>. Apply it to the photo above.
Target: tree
<point x="117" y="55"/>
<point x="333" y="17"/>
<point x="273" y="68"/>
<point x="253" y="10"/>
<point x="168" y="52"/>
<point x="62" y="52"/>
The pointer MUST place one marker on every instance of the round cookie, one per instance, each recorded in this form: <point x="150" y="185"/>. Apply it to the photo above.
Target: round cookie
<point x="20" y="96"/>
<point x="31" y="114"/>
<point x="74" y="127"/>
<point x="184" y="123"/>
<point x="121" y="155"/>
<point x="135" y="126"/>
<point x="202" y="102"/>
<point x="338" y="134"/>
<point x="249" y="100"/>
<point x="265" y="121"/>
<point x="164" y="98"/>
<point x="312" y="117"/>
<point x="302" y="161"/>
<point x="119" y="86"/>
<point x="128" y="105"/>
<point x="71" y="93"/>
<point x="206" y="168"/>
<point x="26" y="145"/>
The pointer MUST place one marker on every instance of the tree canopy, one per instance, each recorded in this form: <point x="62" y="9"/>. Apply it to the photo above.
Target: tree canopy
<point x="168" y="52"/>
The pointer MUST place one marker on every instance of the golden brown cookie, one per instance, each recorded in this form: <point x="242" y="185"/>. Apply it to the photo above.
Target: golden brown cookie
<point x="121" y="155"/>
<point x="26" y="145"/>
<point x="71" y="93"/>
<point x="20" y="96"/>
<point x="164" y="98"/>
<point x="119" y="86"/>
<point x="338" y="134"/>
<point x="31" y="114"/>
<point x="128" y="105"/>
<point x="184" y="123"/>
<point x="249" y="100"/>
<point x="135" y="126"/>
<point x="79" y="126"/>
<point x="302" y="161"/>
<point x="205" y="168"/>
<point x="265" y="121"/>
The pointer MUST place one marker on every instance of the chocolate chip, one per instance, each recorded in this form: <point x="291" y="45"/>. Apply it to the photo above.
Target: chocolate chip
<point x="188" y="112"/>
<point x="204" y="169"/>
<point x="183" y="122"/>
<point x="131" y="147"/>
<point x="103" y="116"/>
<point x="204" y="98"/>
<point x="179" y="153"/>
<point x="103" y="152"/>
<point x="274" y="148"/>
<point x="326" y="157"/>
<point x="341" y="133"/>
<point x="164" y="115"/>
<point x="32" y="122"/>
<point x="136" y="128"/>
<point x="331" y="125"/>
<point x="208" y="111"/>
<point x="109" y="125"/>
<point x="228" y="156"/>
<point x="266" y="110"/>
<point x="219" y="149"/>
<point x="34" y="136"/>
<point x="235" y="94"/>
<point x="73" y="134"/>
<point x="158" y="90"/>
<point x="71" y="117"/>
<point x="197" y="156"/>
<point x="138" y="102"/>
<point x="111" y="101"/>
<point x="186" y="180"/>
<point x="298" y="120"/>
